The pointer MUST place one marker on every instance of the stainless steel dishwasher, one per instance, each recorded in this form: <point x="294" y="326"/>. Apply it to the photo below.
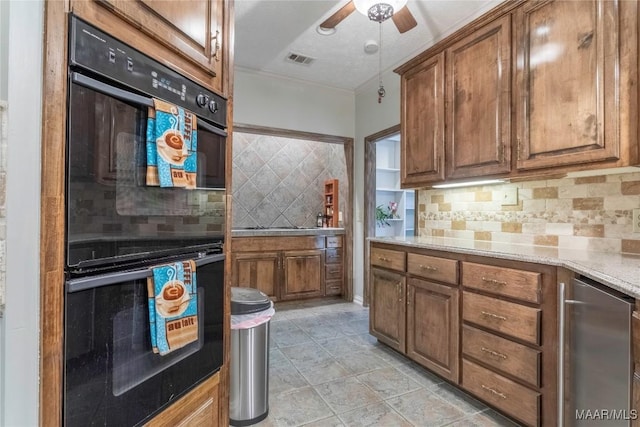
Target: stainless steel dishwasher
<point x="595" y="357"/>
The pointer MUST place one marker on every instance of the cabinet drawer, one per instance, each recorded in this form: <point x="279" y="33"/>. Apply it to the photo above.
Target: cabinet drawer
<point x="388" y="258"/>
<point x="440" y="269"/>
<point x="333" y="272"/>
<point x="333" y="287"/>
<point x="515" y="359"/>
<point x="523" y="285"/>
<point x="509" y="396"/>
<point x="334" y="242"/>
<point x="333" y="256"/>
<point x="506" y="317"/>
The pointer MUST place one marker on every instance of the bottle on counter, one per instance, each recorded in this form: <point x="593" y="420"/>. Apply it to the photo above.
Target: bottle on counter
<point x="319" y="220"/>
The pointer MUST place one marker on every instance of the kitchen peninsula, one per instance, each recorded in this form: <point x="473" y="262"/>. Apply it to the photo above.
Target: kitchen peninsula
<point x="488" y="316"/>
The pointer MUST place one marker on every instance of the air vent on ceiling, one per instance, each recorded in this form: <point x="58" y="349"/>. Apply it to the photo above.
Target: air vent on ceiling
<point x="299" y="59"/>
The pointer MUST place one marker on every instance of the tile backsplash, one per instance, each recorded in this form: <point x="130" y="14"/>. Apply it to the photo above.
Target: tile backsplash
<point x="593" y="212"/>
<point x="279" y="182"/>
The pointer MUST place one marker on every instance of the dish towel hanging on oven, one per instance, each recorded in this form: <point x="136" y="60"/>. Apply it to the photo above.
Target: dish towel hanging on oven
<point x="173" y="306"/>
<point x="172" y="140"/>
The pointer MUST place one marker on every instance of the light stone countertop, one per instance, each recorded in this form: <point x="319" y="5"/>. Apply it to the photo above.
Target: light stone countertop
<point x="617" y="271"/>
<point x="319" y="231"/>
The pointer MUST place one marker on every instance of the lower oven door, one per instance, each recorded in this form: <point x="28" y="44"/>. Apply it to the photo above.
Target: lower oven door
<point x="112" y="377"/>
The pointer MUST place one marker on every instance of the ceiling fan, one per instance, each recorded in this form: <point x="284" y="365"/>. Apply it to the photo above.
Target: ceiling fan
<point x="376" y="10"/>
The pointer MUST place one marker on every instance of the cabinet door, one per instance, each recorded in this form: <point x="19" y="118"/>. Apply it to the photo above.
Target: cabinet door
<point x="567" y="105"/>
<point x="478" y="111"/>
<point x="387" y="311"/>
<point x="422" y="123"/>
<point x="258" y="270"/>
<point x="197" y="408"/>
<point x="191" y="28"/>
<point x="432" y="327"/>
<point x="302" y="274"/>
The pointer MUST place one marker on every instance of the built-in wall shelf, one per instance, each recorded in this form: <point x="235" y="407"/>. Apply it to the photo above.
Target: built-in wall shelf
<point x="331" y="212"/>
<point x="388" y="190"/>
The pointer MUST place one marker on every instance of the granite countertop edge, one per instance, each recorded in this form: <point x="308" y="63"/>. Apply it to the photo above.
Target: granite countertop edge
<point x="324" y="231"/>
<point x="614" y="270"/>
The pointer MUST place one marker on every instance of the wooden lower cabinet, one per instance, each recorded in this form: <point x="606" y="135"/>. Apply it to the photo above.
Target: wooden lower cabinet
<point x="289" y="267"/>
<point x="487" y="325"/>
<point x="303" y="276"/>
<point x="432" y="327"/>
<point x="387" y="310"/>
<point x="416" y="315"/>
<point x="258" y="270"/>
<point x="199" y="408"/>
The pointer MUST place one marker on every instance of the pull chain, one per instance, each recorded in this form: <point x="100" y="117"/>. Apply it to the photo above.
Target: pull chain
<point x="381" y="91"/>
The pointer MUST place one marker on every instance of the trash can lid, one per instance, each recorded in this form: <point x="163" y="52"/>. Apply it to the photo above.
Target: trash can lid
<point x="248" y="300"/>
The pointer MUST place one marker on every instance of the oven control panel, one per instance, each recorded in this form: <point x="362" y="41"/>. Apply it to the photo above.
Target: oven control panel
<point x="93" y="50"/>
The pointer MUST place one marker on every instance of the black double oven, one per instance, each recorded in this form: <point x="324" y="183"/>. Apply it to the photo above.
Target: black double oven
<point x="118" y="228"/>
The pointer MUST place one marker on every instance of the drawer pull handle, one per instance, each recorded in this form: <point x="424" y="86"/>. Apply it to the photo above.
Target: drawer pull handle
<point x="381" y="258"/>
<point x="428" y="267"/>
<point x="493" y="281"/>
<point x="493" y="316"/>
<point x="493" y="353"/>
<point x="493" y="391"/>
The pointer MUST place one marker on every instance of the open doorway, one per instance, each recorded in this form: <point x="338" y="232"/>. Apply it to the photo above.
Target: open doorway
<point x="389" y="211"/>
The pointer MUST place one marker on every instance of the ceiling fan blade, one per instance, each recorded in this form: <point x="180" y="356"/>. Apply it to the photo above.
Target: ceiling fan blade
<point x="404" y="20"/>
<point x="337" y="17"/>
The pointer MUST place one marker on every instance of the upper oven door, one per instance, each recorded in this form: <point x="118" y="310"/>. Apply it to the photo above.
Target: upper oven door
<point x="111" y="211"/>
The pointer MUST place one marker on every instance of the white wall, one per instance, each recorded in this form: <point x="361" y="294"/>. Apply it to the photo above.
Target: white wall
<point x="264" y="100"/>
<point x="19" y="332"/>
<point x="4" y="37"/>
<point x="371" y="118"/>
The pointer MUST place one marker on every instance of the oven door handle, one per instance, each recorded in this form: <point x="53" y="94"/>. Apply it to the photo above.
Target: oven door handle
<point x="134" y="98"/>
<point x="85" y="283"/>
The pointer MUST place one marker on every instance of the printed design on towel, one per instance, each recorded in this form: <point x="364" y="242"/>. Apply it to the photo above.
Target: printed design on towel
<point x="173" y="306"/>
<point x="172" y="143"/>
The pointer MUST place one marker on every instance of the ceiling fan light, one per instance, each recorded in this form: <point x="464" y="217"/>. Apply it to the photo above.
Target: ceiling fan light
<point x="379" y="10"/>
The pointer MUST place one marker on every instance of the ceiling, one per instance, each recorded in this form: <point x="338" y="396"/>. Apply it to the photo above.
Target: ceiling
<point x="267" y="31"/>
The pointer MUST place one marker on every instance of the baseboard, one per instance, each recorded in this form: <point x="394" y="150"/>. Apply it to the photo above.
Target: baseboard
<point x="357" y="299"/>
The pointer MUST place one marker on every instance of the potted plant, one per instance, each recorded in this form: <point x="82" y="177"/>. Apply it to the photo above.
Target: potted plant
<point x="382" y="216"/>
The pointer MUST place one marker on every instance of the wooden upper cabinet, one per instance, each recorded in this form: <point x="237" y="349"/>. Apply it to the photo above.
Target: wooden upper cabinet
<point x="193" y="29"/>
<point x="478" y="111"/>
<point x="567" y="82"/>
<point x="422" y="124"/>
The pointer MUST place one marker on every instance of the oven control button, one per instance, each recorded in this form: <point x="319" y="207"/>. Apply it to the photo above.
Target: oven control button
<point x="129" y="65"/>
<point x="213" y="106"/>
<point x="112" y="56"/>
<point x="202" y="100"/>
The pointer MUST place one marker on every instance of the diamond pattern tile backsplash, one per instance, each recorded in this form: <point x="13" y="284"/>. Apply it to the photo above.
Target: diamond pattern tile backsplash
<point x="279" y="182"/>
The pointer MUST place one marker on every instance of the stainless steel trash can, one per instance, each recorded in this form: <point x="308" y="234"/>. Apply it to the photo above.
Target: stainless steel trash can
<point x="251" y="312"/>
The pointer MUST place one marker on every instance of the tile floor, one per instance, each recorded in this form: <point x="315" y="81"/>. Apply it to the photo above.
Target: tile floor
<point x="326" y="370"/>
